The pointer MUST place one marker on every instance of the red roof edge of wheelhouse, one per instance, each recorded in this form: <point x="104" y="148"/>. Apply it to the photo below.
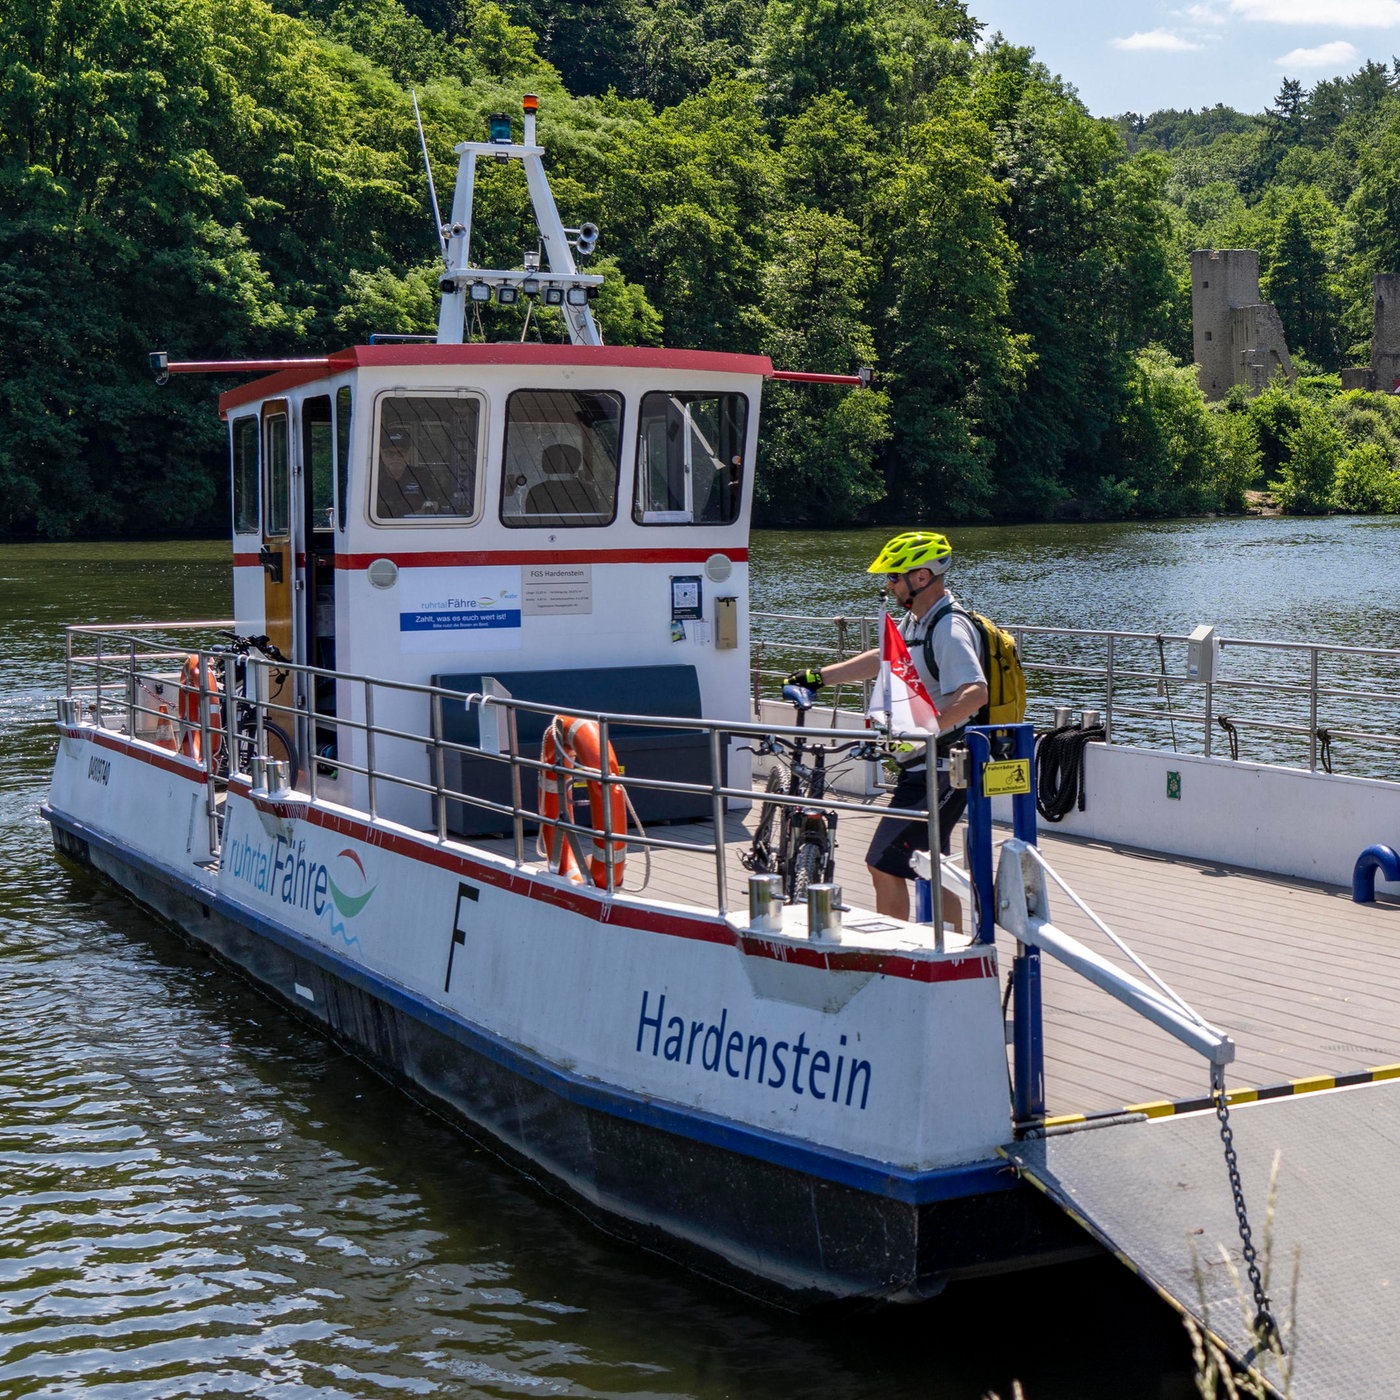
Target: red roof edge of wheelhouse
<point x="499" y="353"/>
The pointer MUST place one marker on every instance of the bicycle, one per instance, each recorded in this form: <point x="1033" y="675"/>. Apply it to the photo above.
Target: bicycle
<point x="277" y="743"/>
<point x="804" y="853"/>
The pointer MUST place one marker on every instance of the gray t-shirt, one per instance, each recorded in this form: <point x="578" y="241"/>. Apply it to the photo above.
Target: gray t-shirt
<point x="955" y="650"/>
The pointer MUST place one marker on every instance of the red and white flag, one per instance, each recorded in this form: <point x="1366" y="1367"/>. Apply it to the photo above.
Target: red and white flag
<point x="899" y="701"/>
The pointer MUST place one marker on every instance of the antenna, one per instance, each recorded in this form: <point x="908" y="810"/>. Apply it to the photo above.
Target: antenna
<point x="428" y="166"/>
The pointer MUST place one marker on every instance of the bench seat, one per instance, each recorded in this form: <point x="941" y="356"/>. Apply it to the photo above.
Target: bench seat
<point x="668" y="754"/>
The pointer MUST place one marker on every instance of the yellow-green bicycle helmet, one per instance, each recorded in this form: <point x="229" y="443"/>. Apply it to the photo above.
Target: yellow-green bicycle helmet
<point x="915" y="549"/>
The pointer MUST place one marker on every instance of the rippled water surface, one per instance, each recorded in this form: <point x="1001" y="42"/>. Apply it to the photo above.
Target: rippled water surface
<point x="1263" y="578"/>
<point x="198" y="1196"/>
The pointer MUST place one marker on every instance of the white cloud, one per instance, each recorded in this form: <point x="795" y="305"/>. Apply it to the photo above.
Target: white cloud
<point x="1338" y="54"/>
<point x="1161" y="40"/>
<point x="1202" y="14"/>
<point x="1336" y="14"/>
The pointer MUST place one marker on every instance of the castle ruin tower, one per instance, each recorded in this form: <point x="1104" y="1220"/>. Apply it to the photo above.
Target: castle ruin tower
<point x="1236" y="337"/>
<point x="1385" y="335"/>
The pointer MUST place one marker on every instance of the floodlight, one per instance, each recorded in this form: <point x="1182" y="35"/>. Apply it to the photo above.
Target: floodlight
<point x="577" y="296"/>
<point x="531" y="287"/>
<point x="554" y="296"/>
<point x="481" y="291"/>
<point x="507" y="296"/>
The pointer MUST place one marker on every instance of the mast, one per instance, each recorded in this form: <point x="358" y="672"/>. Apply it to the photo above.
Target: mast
<point x="562" y="285"/>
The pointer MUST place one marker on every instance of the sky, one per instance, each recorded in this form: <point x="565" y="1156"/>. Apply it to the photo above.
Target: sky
<point x="1145" y="55"/>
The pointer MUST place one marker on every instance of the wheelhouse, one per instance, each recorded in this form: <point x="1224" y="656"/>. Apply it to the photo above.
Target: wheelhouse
<point x="418" y="511"/>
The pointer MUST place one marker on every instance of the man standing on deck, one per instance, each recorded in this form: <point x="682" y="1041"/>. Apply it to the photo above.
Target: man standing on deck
<point x="914" y="565"/>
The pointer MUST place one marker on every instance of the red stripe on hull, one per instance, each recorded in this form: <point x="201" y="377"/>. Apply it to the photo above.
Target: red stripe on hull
<point x="163" y="759"/>
<point x="972" y="967"/>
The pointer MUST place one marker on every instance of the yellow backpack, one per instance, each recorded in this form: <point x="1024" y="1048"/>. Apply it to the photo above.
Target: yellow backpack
<point x="1001" y="664"/>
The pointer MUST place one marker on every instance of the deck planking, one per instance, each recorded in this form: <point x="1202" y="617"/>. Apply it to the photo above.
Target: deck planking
<point x="1304" y="981"/>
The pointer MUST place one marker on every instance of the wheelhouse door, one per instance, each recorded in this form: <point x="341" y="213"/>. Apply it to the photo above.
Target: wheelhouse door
<point x="277" y="555"/>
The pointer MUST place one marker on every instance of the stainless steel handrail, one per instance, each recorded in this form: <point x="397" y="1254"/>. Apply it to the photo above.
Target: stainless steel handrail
<point x="123" y="667"/>
<point x="1310" y="701"/>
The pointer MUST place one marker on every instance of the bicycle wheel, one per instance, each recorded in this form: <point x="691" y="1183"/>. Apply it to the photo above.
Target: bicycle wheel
<point x="279" y="745"/>
<point x="808" y="868"/>
<point x="761" y="857"/>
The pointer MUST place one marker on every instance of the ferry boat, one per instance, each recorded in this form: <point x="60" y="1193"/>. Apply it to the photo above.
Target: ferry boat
<point x="445" y="551"/>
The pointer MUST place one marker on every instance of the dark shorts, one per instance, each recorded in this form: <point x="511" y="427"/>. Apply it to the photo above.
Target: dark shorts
<point x="896" y="839"/>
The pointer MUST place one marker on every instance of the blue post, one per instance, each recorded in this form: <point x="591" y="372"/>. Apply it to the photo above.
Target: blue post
<point x="979" y="837"/>
<point x="1015" y="743"/>
<point x="923" y="901"/>
<point x="1363" y="877"/>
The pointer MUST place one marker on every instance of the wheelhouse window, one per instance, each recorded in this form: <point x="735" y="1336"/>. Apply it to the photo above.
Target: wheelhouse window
<point x="426" y="465"/>
<point x="245" y="475"/>
<point x="277" y="511"/>
<point x="561" y="458"/>
<point x="690" y="459"/>
<point x="318" y="456"/>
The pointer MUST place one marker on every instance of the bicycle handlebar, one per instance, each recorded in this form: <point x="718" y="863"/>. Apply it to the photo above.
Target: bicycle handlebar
<point x="261" y="643"/>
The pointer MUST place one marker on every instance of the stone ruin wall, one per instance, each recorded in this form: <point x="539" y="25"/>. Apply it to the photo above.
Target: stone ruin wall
<point x="1236" y="337"/>
<point x="1385" y="335"/>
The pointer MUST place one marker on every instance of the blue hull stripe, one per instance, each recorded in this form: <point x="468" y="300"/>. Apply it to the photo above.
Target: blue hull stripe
<point x="827" y="1164"/>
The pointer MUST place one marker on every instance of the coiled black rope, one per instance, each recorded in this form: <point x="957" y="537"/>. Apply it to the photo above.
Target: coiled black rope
<point x="1232" y="730"/>
<point x="1059" y="764"/>
<point x="1324" y="749"/>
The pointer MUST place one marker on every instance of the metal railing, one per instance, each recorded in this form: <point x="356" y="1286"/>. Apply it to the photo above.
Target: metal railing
<point x="1318" y="705"/>
<point x="107" y="666"/>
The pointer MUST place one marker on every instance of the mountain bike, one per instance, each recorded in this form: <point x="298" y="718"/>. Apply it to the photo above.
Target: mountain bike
<point x="277" y="743"/>
<point x="797" y="840"/>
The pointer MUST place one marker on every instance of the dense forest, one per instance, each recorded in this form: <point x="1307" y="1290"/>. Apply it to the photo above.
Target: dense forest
<point x="829" y="182"/>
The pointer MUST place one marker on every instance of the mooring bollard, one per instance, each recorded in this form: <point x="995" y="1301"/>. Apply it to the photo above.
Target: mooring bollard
<point x="766" y="903"/>
<point x="824" y="912"/>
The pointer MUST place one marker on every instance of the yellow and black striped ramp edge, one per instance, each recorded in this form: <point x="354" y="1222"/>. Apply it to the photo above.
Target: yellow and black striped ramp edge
<point x="1151" y="1190"/>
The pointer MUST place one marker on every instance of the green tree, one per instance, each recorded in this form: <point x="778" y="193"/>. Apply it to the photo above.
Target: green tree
<point x="1091" y="281"/>
<point x="1237" y="462"/>
<point x="1275" y="413"/>
<point x="1297" y="276"/>
<point x="819" y="465"/>
<point x="1313" y="449"/>
<point x="1166" y="446"/>
<point x="1366" y="483"/>
<point x="689" y="195"/>
<point x="809" y="47"/>
<point x="956" y="367"/>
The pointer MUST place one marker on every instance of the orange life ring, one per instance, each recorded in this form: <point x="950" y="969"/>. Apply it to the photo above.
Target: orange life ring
<point x="190" y="728"/>
<point x="570" y="743"/>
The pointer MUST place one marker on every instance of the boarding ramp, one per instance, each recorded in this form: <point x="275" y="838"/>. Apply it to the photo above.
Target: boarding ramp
<point x="1130" y="1181"/>
<point x="1153" y="1193"/>
<point x="1268" y="1221"/>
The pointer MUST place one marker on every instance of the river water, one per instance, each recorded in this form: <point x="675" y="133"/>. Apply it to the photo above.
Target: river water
<point x="199" y="1197"/>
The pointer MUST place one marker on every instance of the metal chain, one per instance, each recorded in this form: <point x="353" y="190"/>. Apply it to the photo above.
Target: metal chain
<point x="1265" y="1325"/>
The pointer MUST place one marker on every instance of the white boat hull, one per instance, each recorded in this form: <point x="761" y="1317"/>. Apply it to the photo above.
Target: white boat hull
<point x="818" y="1119"/>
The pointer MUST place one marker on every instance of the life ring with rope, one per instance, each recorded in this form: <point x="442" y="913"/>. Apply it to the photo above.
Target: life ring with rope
<point x="573" y="745"/>
<point x="191" y="743"/>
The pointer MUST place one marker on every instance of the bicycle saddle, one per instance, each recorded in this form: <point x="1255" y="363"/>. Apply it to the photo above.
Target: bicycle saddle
<point x="799" y="696"/>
